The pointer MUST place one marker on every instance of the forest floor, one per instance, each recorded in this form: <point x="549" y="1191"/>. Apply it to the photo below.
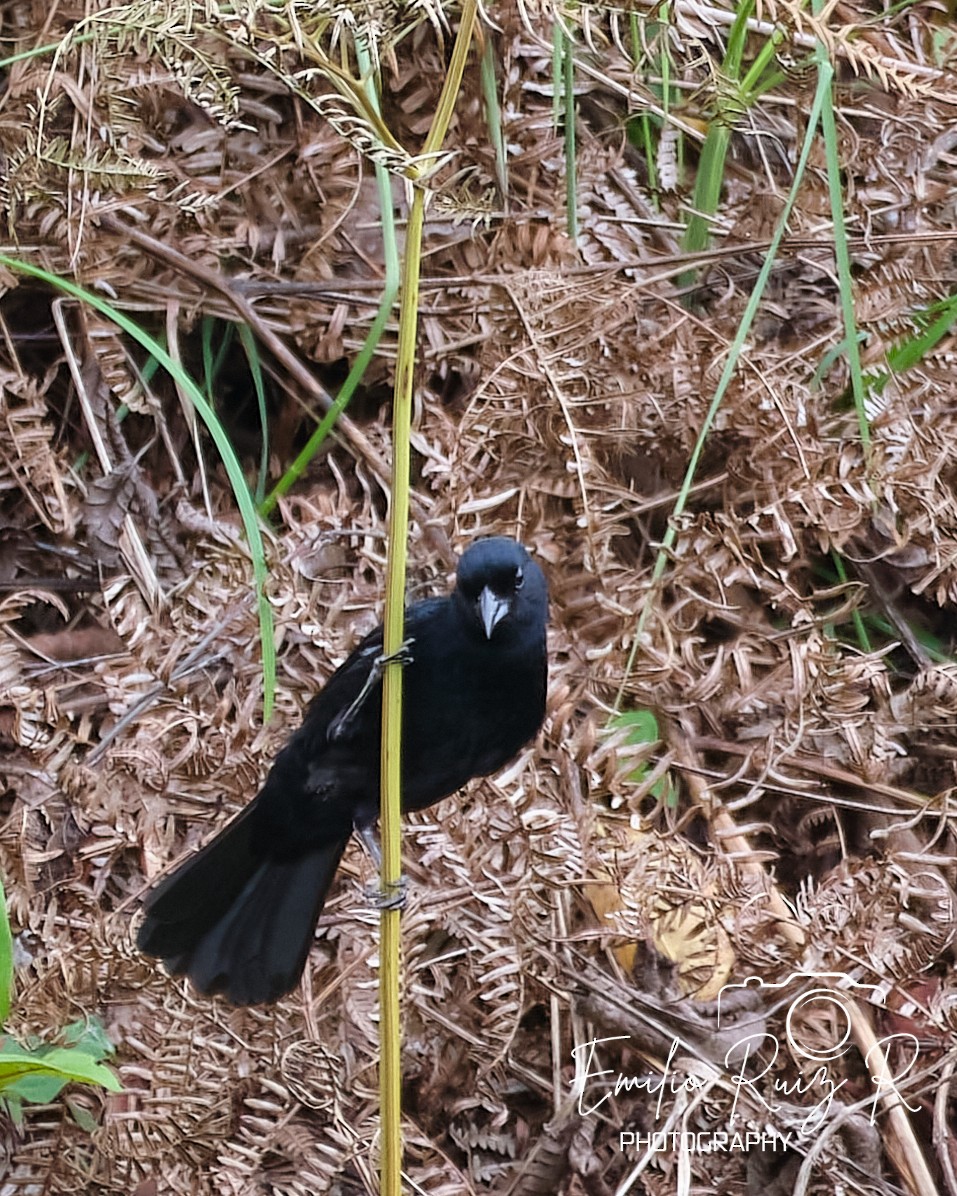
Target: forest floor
<point x="748" y="520"/>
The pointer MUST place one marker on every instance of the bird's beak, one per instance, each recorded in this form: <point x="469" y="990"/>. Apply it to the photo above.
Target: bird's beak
<point x="492" y="610"/>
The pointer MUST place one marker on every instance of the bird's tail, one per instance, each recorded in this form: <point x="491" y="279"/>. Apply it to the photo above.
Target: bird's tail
<point x="235" y="922"/>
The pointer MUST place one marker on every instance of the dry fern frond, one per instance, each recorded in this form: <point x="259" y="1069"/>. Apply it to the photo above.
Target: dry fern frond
<point x="27" y="456"/>
<point x="168" y="32"/>
<point x="561" y="391"/>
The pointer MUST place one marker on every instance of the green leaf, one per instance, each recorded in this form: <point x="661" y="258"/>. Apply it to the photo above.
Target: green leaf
<point x="38" y="1089"/>
<point x="88" y="1036"/>
<point x="65" y="1063"/>
<point x="83" y="1117"/>
<point x="643" y="723"/>
<point x="6" y="958"/>
<point x="644" y="729"/>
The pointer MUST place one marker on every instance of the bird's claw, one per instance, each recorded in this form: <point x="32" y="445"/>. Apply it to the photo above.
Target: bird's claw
<point x="393" y="897"/>
<point x="402" y="655"/>
<point x="340" y="725"/>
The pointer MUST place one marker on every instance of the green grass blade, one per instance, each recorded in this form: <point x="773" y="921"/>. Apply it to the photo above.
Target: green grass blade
<point x="558" y="73"/>
<point x="860" y="630"/>
<point x="40" y="51"/>
<point x="231" y="463"/>
<point x="707" y="192"/>
<point x="841" y="250"/>
<point x="913" y="350"/>
<point x="825" y="75"/>
<point x="710" y="176"/>
<point x="493" y="114"/>
<point x="251" y="350"/>
<point x="571" y="152"/>
<point x="389" y="292"/>
<point x="6" y="958"/>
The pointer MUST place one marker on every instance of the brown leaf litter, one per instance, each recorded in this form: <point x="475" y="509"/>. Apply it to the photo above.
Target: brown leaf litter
<point x="187" y="161"/>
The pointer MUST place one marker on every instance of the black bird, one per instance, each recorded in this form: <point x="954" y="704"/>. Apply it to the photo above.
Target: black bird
<point x="238" y="917"/>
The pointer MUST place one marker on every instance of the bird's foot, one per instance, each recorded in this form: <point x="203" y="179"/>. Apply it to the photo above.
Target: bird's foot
<point x="366" y="832"/>
<point x="341" y="725"/>
<point x="402" y="655"/>
<point x="392" y="896"/>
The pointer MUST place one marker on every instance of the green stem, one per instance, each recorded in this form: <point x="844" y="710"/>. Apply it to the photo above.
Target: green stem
<point x="825" y="74"/>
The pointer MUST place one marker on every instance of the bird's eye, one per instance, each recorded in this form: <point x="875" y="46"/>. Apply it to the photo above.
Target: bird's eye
<point x="519" y="579"/>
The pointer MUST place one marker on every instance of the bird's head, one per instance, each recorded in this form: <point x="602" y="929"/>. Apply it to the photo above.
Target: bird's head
<point x="501" y="587"/>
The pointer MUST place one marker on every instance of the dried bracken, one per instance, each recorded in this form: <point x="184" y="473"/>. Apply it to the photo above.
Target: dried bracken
<point x="796" y="812"/>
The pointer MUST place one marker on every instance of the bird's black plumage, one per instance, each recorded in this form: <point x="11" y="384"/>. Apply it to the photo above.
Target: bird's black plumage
<point x="238" y="917"/>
